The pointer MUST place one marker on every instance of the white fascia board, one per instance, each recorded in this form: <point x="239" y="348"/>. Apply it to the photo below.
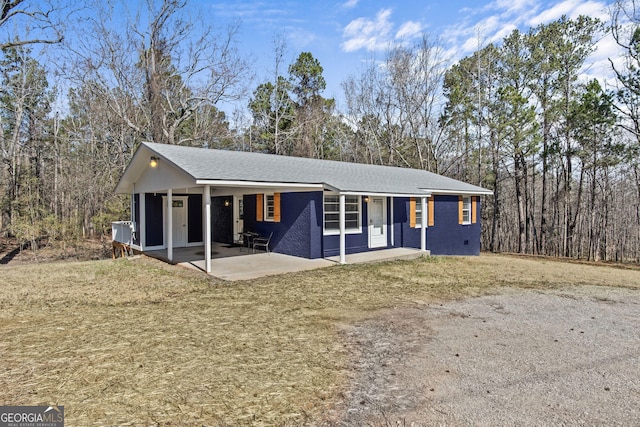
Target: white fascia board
<point x="257" y="184"/>
<point x="463" y="193"/>
<point x="369" y="193"/>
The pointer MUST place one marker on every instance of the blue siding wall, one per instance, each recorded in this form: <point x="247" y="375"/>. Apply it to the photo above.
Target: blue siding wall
<point x="153" y="221"/>
<point x="297" y="232"/>
<point x="316" y="212"/>
<point x="401" y="222"/>
<point x="446" y="236"/>
<point x="249" y="219"/>
<point x="292" y="234"/>
<point x="410" y="237"/>
<point x="194" y="211"/>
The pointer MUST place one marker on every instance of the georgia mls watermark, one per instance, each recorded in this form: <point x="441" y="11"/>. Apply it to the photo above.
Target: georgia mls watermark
<point x="31" y="416"/>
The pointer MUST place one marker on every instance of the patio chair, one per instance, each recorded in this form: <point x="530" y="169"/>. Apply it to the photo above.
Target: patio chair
<point x="262" y="242"/>
<point x="246" y="239"/>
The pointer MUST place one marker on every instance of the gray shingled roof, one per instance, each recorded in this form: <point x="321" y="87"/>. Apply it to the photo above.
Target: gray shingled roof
<point x="222" y="165"/>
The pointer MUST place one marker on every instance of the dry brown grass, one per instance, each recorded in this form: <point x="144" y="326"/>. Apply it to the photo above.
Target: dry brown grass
<point x="140" y="342"/>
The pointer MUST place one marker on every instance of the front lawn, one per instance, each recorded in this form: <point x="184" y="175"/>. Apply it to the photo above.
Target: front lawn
<point x="140" y="342"/>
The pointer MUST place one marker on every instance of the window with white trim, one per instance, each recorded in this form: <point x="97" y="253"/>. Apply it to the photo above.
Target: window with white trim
<point x="466" y="210"/>
<point x="269" y="207"/>
<point x="352" y="214"/>
<point x="418" y="212"/>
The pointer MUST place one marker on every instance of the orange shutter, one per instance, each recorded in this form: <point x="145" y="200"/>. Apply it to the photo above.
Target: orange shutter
<point x="460" y="209"/>
<point x="431" y="208"/>
<point x="276" y="207"/>
<point x="259" y="207"/>
<point x="412" y="212"/>
<point x="474" y="209"/>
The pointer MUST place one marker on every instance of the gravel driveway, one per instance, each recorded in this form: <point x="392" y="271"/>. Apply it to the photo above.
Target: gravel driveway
<point x="524" y="357"/>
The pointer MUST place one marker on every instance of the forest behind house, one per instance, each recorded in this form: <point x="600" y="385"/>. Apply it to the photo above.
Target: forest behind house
<point x="82" y="86"/>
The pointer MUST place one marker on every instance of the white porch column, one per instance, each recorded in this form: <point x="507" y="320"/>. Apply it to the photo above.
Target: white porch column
<point x="343" y="244"/>
<point x="142" y="226"/>
<point x="133" y="229"/>
<point x="170" y="225"/>
<point x="392" y="223"/>
<point x="423" y="224"/>
<point x="207" y="228"/>
<point x="133" y="203"/>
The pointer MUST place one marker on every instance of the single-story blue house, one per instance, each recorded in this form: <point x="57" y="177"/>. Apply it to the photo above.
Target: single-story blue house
<point x="186" y="196"/>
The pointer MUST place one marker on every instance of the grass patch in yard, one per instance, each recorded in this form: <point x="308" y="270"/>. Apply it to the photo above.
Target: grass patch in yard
<point x="141" y="342"/>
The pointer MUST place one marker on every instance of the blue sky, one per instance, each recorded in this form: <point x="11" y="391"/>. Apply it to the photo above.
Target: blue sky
<point x="345" y="34"/>
<point x="342" y="34"/>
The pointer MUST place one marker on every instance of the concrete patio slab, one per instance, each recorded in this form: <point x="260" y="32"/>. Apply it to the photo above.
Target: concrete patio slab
<point x="259" y="265"/>
<point x="382" y="255"/>
<point x="235" y="263"/>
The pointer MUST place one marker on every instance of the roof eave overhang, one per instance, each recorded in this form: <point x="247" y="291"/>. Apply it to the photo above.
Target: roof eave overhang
<point x="462" y="192"/>
<point x="383" y="194"/>
<point x="139" y="167"/>
<point x="258" y="184"/>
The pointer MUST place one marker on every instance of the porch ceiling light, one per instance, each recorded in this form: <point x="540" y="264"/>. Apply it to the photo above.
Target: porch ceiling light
<point x="153" y="162"/>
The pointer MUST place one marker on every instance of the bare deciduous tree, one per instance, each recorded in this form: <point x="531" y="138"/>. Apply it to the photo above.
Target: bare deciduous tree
<point x="395" y="106"/>
<point x="163" y="69"/>
<point x="29" y="22"/>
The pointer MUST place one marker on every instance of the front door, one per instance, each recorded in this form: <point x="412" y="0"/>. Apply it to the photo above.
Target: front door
<point x="378" y="222"/>
<point x="179" y="212"/>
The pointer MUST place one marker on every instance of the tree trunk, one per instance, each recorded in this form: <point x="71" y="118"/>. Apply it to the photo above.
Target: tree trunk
<point x="519" y="172"/>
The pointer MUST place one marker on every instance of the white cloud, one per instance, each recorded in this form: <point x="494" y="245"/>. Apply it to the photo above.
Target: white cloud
<point x="491" y="30"/>
<point x="350" y="4"/>
<point x="572" y="9"/>
<point x="502" y="33"/>
<point x="363" y="33"/>
<point x="378" y="33"/>
<point x="513" y="7"/>
<point x="409" y="30"/>
<point x="495" y="21"/>
<point x="489" y="25"/>
<point x="468" y="37"/>
<point x="300" y="37"/>
<point x="594" y="9"/>
<point x="599" y="64"/>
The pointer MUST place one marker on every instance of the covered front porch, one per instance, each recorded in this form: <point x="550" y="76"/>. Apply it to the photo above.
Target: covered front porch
<point x="229" y="262"/>
<point x="175" y="221"/>
<point x="180" y="208"/>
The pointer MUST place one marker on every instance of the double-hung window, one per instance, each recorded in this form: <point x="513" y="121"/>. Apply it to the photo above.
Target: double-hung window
<point x="465" y="213"/>
<point x="269" y="207"/>
<point x="415" y="212"/>
<point x="332" y="214"/>
<point x="418" y="220"/>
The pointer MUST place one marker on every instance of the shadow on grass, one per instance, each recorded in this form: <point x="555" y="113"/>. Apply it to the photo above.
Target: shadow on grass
<point x="10" y="256"/>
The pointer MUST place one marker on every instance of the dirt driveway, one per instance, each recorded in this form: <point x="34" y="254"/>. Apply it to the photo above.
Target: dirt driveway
<point x="524" y="357"/>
